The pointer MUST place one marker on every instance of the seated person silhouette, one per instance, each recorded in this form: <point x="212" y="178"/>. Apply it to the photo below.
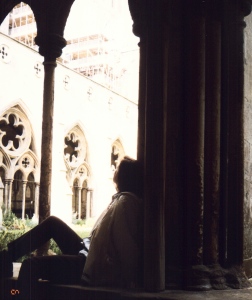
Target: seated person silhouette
<point x="114" y="257"/>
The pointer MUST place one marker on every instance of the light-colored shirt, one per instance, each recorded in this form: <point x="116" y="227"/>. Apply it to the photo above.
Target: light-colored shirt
<point x="115" y="251"/>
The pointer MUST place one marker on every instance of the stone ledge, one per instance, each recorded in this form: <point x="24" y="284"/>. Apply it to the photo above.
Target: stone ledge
<point x="60" y="292"/>
<point x="66" y="292"/>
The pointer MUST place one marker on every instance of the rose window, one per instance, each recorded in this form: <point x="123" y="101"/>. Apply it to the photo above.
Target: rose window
<point x="71" y="151"/>
<point x="14" y="138"/>
<point x="75" y="148"/>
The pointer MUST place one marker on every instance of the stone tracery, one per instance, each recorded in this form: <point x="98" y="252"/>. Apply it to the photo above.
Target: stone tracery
<point x="78" y="172"/>
<point x="15" y="133"/>
<point x="16" y="156"/>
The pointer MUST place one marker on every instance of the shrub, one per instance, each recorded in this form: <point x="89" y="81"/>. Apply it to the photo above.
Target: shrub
<point x="54" y="247"/>
<point x="11" y="222"/>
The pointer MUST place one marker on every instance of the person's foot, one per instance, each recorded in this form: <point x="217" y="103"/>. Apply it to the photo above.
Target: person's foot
<point x="6" y="267"/>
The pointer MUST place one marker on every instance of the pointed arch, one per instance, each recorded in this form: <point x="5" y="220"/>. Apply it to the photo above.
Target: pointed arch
<point x="28" y="163"/>
<point x="117" y="153"/>
<point x="16" y="133"/>
<point x="75" y="148"/>
<point x="5" y="161"/>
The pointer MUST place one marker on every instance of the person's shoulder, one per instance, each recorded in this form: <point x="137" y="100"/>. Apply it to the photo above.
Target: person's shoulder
<point x="128" y="195"/>
<point x="129" y="198"/>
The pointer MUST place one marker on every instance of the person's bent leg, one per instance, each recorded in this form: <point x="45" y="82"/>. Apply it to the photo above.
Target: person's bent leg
<point x="68" y="241"/>
<point x="64" y="269"/>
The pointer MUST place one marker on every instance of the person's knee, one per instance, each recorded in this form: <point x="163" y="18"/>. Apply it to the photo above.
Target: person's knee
<point x="52" y="219"/>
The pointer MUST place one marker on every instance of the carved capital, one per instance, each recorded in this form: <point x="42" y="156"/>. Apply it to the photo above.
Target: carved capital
<point x="139" y="16"/>
<point x="51" y="17"/>
<point x="50" y="45"/>
<point x="246" y="7"/>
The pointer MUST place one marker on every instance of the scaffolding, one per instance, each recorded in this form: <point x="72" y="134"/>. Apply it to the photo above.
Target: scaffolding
<point x="91" y="55"/>
<point x="22" y="25"/>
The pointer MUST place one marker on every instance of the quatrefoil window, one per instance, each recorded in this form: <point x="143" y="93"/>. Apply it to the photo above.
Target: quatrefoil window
<point x="82" y="171"/>
<point x="26" y="162"/>
<point x="38" y="69"/>
<point x="4" y="53"/>
<point x="12" y="131"/>
<point x="72" y="147"/>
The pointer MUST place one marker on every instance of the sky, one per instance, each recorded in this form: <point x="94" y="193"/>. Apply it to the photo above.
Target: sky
<point x="92" y="16"/>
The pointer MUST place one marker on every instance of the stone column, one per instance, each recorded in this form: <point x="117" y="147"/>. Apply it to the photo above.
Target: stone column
<point x="6" y="189"/>
<point x="50" y="46"/>
<point x="233" y="120"/>
<point x="79" y="202"/>
<point x="47" y="138"/>
<point x="51" y="19"/>
<point x="10" y="181"/>
<point x="1" y="202"/>
<point x="247" y="151"/>
<point x="91" y="191"/>
<point x="36" y="205"/>
<point x="152" y="140"/>
<point x="24" y="182"/>
<point x="191" y="138"/>
<point x="194" y="136"/>
<point x="88" y="204"/>
<point x="212" y="137"/>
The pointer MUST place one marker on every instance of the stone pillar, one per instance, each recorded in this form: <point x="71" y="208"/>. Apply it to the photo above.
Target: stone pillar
<point x="79" y="202"/>
<point x="23" y="199"/>
<point x="88" y="204"/>
<point x="151" y="138"/>
<point x="212" y="138"/>
<point x="51" y="19"/>
<point x="234" y="95"/>
<point x="1" y="202"/>
<point x="247" y="151"/>
<point x="10" y="181"/>
<point x="91" y="191"/>
<point x="194" y="135"/>
<point x="191" y="77"/>
<point x="47" y="137"/>
<point x="6" y="189"/>
<point x="36" y="205"/>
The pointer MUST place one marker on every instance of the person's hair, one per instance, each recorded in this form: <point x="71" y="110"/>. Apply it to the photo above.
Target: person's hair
<point x="129" y="176"/>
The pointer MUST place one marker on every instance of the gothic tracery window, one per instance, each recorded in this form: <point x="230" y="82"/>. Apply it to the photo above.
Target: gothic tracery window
<point x="75" y="152"/>
<point x="78" y="174"/>
<point x="12" y="131"/>
<point x="15" y="132"/>
<point x="18" y="161"/>
<point x="117" y="153"/>
<point x="71" y="149"/>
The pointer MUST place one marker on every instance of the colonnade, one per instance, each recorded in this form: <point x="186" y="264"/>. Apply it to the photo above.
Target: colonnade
<point x="6" y="196"/>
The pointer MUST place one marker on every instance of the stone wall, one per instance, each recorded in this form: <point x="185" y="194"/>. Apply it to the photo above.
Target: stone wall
<point x="102" y="115"/>
<point x="248" y="146"/>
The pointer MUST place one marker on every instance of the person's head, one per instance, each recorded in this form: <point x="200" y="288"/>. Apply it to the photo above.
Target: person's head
<point x="128" y="176"/>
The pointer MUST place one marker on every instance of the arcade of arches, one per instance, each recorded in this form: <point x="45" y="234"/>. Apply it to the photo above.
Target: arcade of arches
<point x="19" y="167"/>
